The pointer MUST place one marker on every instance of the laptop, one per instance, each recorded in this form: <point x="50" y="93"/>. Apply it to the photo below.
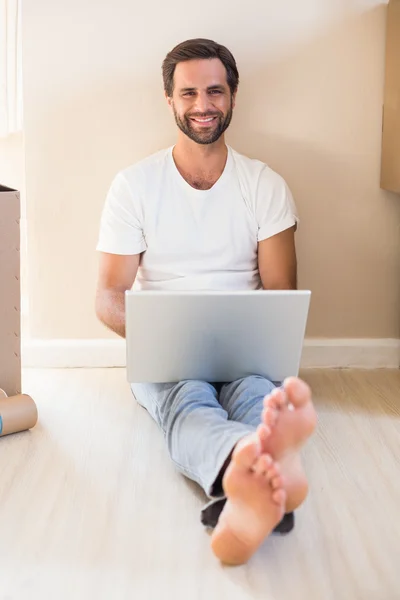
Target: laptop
<point x="214" y="336"/>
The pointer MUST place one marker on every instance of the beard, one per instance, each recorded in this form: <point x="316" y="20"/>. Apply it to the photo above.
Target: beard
<point x="204" y="137"/>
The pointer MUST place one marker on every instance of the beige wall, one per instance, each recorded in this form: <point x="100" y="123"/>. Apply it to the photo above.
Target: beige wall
<point x="310" y="105"/>
<point x="12" y="162"/>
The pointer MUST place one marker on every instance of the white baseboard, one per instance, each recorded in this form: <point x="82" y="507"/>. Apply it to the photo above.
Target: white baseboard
<point x="317" y="353"/>
<point x="351" y="353"/>
<point x="73" y="353"/>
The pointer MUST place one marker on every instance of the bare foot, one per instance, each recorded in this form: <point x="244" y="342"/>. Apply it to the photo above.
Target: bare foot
<point x="256" y="500"/>
<point x="290" y="419"/>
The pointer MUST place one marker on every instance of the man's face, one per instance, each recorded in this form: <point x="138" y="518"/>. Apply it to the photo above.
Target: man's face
<point x="202" y="101"/>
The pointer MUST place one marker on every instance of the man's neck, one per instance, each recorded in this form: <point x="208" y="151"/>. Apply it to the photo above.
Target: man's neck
<point x="195" y="158"/>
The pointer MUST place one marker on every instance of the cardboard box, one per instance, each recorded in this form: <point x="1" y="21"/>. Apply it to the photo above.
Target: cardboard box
<point x="390" y="173"/>
<point x="10" y="292"/>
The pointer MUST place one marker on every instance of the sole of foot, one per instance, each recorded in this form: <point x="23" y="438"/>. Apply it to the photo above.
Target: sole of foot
<point x="255" y="503"/>
<point x="290" y="417"/>
<point x="289" y="420"/>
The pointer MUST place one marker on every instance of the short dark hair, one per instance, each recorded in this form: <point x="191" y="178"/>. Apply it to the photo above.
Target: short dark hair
<point x="199" y="49"/>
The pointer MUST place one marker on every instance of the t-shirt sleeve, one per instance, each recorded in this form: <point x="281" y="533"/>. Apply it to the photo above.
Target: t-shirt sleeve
<point x="121" y="230"/>
<point x="275" y="207"/>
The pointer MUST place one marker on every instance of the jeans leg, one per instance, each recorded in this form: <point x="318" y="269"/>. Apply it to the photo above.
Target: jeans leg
<point x="199" y="435"/>
<point x="243" y="399"/>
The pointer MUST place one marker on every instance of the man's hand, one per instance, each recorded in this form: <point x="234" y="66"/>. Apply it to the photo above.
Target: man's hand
<point x="277" y="261"/>
<point x="117" y="274"/>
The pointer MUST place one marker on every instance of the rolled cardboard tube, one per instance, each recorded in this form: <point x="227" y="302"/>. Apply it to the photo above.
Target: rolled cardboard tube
<point x="17" y="413"/>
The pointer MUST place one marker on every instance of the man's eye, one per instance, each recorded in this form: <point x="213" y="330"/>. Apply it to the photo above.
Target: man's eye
<point x="188" y="94"/>
<point x="215" y="92"/>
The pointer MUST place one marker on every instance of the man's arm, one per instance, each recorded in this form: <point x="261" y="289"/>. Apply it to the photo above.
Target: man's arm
<point x="117" y="274"/>
<point x="277" y="261"/>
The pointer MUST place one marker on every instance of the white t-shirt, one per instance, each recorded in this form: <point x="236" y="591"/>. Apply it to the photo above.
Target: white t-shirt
<point x="195" y="239"/>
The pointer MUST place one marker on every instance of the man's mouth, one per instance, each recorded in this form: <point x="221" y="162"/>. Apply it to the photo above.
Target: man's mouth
<point x="203" y="120"/>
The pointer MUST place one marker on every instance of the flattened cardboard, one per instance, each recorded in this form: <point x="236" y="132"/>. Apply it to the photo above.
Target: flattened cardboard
<point x="10" y="291"/>
<point x="390" y="170"/>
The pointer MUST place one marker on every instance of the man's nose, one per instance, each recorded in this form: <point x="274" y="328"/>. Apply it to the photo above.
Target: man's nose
<point x="203" y="103"/>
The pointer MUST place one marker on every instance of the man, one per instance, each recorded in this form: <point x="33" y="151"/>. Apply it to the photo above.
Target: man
<point x="199" y="216"/>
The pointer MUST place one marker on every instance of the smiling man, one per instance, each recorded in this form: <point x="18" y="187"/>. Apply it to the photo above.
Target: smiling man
<point x="201" y="216"/>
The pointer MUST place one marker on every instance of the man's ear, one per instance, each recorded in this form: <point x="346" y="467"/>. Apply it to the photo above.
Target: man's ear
<point x="169" y="99"/>
<point x="234" y="99"/>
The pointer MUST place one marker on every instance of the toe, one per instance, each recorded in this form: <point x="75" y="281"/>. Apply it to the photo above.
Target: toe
<point x="279" y="497"/>
<point x="258" y="468"/>
<point x="273" y="471"/>
<point x="280" y="397"/>
<point x="247" y="451"/>
<point x="298" y="391"/>
<point x="270" y="417"/>
<point x="265" y="462"/>
<point x="263" y="433"/>
<point x="270" y="402"/>
<point x="261" y="465"/>
<point x="277" y="399"/>
<point x="277" y="482"/>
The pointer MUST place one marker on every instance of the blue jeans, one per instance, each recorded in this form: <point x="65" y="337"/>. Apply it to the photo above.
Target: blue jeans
<point x="202" y="423"/>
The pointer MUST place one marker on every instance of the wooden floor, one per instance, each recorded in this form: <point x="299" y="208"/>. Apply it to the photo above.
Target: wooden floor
<point x="91" y="508"/>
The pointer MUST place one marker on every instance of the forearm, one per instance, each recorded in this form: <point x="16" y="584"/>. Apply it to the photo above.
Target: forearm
<point x="110" y="309"/>
<point x="286" y="284"/>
